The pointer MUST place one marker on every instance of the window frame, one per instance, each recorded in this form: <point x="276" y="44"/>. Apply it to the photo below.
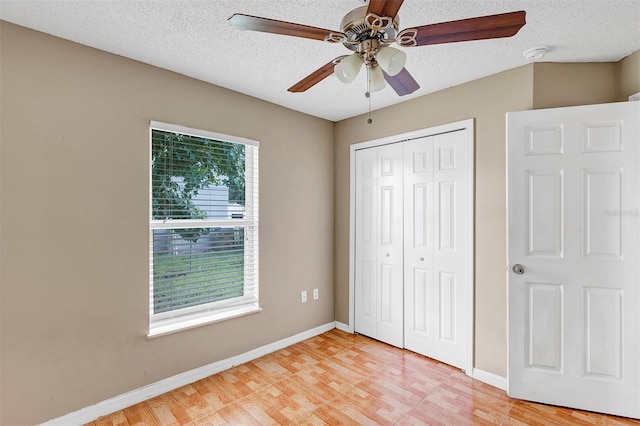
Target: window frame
<point x="193" y="316"/>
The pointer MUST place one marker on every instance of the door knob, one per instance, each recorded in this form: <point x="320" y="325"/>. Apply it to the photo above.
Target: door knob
<point x="421" y="259"/>
<point x="518" y="269"/>
<point x="387" y="255"/>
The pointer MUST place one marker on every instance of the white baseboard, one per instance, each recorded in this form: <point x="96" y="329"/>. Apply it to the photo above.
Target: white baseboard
<point x="89" y="414"/>
<point x="490" y="379"/>
<point x="343" y="327"/>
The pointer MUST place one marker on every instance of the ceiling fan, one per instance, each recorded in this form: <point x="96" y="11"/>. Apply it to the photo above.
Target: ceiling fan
<point x="369" y="30"/>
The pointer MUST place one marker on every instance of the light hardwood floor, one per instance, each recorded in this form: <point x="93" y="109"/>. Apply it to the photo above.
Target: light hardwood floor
<point x="341" y="379"/>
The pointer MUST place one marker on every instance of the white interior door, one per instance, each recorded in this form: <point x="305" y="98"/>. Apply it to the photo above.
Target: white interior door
<point x="437" y="247"/>
<point x="574" y="227"/>
<point x="379" y="249"/>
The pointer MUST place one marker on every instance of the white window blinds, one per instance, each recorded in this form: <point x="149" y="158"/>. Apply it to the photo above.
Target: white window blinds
<point x="203" y="227"/>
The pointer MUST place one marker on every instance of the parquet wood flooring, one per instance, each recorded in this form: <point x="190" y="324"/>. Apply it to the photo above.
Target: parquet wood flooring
<point x="338" y="378"/>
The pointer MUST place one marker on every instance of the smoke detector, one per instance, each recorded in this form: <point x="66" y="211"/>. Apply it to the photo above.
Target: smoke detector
<point x="536" y="53"/>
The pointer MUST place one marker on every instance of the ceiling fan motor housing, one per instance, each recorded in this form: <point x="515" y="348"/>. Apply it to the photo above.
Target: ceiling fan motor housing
<point x="356" y="29"/>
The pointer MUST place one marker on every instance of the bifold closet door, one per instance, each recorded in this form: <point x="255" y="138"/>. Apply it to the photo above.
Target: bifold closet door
<point x="379" y="244"/>
<point x="436" y="252"/>
<point x="412" y="245"/>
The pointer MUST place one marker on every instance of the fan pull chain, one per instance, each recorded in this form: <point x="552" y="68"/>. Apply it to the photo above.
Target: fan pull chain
<point x="368" y="94"/>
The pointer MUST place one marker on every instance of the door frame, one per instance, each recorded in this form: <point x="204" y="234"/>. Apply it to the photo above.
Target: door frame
<point x="469" y="126"/>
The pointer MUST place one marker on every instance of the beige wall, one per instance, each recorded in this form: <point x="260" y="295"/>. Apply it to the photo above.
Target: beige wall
<point x="629" y="76"/>
<point x="74" y="223"/>
<point x="570" y="84"/>
<point x="486" y="100"/>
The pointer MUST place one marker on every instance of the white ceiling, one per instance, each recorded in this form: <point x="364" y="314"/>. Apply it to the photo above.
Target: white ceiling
<point x="193" y="37"/>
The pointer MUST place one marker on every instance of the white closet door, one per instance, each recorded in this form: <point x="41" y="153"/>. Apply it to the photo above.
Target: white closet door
<point x="366" y="246"/>
<point x="413" y="245"/>
<point x="390" y="248"/>
<point x="451" y="247"/>
<point x="419" y="303"/>
<point x="378" y="257"/>
<point x="436" y="212"/>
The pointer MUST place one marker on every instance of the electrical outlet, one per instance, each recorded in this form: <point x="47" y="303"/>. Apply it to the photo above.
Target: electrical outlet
<point x="316" y="296"/>
<point x="303" y="296"/>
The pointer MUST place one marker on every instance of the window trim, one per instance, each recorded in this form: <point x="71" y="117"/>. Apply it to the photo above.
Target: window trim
<point x="194" y="316"/>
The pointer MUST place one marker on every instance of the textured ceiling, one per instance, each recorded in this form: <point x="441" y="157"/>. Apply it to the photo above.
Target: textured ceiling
<point x="193" y="37"/>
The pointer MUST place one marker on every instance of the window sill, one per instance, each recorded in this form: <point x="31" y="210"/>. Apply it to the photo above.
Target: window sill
<point x="172" y="325"/>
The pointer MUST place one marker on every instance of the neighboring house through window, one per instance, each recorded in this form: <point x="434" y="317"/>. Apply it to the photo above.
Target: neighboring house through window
<point x="203" y="234"/>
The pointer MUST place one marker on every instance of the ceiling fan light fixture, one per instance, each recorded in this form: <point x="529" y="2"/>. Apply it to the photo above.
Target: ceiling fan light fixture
<point x="391" y="60"/>
<point x="347" y="69"/>
<point x="376" y="79"/>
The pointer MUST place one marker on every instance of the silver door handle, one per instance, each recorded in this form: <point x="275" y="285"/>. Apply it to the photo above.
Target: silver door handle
<point x="518" y="269"/>
<point x="387" y="255"/>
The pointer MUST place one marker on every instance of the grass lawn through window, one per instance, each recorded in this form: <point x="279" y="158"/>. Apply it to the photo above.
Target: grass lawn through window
<point x="183" y="280"/>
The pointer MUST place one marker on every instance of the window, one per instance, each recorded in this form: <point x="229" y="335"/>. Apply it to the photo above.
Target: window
<point x="203" y="229"/>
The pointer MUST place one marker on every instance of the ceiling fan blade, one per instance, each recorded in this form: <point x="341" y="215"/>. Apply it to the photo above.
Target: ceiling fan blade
<point x="403" y="83"/>
<point x="480" y="28"/>
<point x="315" y="77"/>
<point x="384" y="7"/>
<point x="266" y="25"/>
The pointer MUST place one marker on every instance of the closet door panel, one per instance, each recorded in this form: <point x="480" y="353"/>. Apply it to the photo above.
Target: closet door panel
<point x="450" y="256"/>
<point x="390" y="284"/>
<point x="418" y="245"/>
<point x="366" y="267"/>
